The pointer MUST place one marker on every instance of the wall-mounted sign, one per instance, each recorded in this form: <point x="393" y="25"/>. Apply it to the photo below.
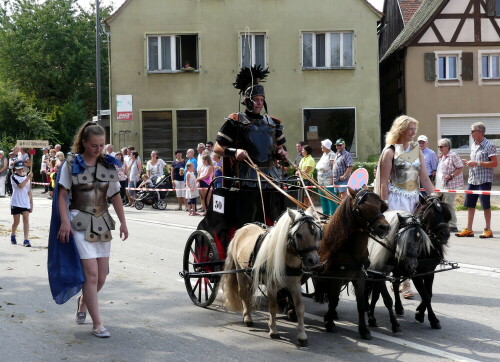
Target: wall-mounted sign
<point x="124" y="107"/>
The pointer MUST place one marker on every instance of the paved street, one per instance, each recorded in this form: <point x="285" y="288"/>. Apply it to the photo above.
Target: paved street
<point x="145" y="306"/>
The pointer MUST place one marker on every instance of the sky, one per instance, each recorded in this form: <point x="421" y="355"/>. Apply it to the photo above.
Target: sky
<point x="379" y="4"/>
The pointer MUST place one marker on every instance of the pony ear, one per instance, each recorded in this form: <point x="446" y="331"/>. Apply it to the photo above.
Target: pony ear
<point x="309" y="211"/>
<point x="400" y="218"/>
<point x="351" y="191"/>
<point x="292" y="214"/>
<point x="421" y="199"/>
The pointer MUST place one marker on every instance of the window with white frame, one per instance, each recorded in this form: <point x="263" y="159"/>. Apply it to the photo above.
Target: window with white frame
<point x="329" y="50"/>
<point x="253" y="50"/>
<point x="171" y="53"/>
<point x="447" y="67"/>
<point x="490" y="66"/>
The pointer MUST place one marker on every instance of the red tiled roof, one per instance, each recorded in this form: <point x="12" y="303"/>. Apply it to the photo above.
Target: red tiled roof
<point x="408" y="8"/>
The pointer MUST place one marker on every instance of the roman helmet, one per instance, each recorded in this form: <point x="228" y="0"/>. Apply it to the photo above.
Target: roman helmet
<point x="247" y="81"/>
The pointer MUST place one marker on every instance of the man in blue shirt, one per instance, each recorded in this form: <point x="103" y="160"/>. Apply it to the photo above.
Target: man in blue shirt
<point x="431" y="159"/>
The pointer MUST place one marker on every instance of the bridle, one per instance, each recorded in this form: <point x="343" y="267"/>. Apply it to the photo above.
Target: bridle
<point x="360" y="198"/>
<point x="431" y="232"/>
<point x="292" y="245"/>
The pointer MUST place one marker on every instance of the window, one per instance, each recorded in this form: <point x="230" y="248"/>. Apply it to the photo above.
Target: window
<point x="327" y="50"/>
<point x="171" y="53"/>
<point x="457" y="129"/>
<point x="331" y="123"/>
<point x="489" y="66"/>
<point x="447" y="67"/>
<point x="253" y="50"/>
<point x="497" y="8"/>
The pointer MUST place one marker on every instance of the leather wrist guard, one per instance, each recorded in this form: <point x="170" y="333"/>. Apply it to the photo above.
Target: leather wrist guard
<point x="230" y="152"/>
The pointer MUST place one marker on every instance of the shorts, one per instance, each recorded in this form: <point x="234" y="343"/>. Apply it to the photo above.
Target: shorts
<point x="14" y="210"/>
<point x="341" y="183"/>
<point x="180" y="188"/>
<point x="192" y="201"/>
<point x="203" y="184"/>
<point x="471" y="199"/>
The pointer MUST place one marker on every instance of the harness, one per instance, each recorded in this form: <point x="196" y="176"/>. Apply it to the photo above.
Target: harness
<point x="431" y="232"/>
<point x="360" y="198"/>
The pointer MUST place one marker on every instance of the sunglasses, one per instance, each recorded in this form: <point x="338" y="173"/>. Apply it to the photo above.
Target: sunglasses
<point x="442" y="146"/>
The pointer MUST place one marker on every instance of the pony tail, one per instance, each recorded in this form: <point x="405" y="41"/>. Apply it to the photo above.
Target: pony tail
<point x="232" y="300"/>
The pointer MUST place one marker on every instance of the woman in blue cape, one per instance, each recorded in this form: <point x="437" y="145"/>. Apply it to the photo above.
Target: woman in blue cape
<point x="80" y="230"/>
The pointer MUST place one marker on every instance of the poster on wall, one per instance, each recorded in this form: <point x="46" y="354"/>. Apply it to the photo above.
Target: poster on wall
<point x="124" y="107"/>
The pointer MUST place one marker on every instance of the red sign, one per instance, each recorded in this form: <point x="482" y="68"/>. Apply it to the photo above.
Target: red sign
<point x="124" y="116"/>
<point x="32" y="152"/>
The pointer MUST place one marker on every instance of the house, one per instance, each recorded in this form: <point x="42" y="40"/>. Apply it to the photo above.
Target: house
<point x="173" y="63"/>
<point x="444" y="69"/>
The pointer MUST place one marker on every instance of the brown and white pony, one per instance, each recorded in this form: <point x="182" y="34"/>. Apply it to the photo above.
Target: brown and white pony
<point x="280" y="255"/>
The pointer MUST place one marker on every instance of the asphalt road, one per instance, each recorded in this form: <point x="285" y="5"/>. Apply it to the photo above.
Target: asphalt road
<point x="145" y="306"/>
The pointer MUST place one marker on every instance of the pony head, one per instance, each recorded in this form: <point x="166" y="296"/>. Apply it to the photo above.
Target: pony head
<point x="434" y="214"/>
<point x="304" y="236"/>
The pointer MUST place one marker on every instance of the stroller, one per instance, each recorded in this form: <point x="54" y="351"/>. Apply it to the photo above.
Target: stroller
<point x="157" y="199"/>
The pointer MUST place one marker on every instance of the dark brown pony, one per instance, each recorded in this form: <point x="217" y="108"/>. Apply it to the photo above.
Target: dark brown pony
<point x="344" y="252"/>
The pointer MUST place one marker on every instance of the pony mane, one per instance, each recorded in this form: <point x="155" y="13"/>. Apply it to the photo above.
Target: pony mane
<point x="270" y="262"/>
<point x="337" y="230"/>
<point x="379" y="254"/>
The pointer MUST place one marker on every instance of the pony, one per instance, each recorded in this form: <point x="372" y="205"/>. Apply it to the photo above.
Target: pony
<point x="278" y="258"/>
<point x="434" y="216"/>
<point x="396" y="253"/>
<point x="344" y="252"/>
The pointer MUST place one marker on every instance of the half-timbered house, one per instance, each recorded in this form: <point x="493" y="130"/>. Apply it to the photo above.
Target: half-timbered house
<point x="444" y="70"/>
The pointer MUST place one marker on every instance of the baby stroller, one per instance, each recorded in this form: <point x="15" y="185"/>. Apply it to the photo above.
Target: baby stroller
<point x="157" y="199"/>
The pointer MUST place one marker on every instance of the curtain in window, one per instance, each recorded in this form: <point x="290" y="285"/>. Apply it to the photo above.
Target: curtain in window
<point x="335" y="49"/>
<point x="153" y="53"/>
<point x="307" y="50"/>
<point x="246" y="53"/>
<point x="347" y="40"/>
<point x="320" y="50"/>
<point x="260" y="58"/>
<point x="166" y="63"/>
<point x="452" y="71"/>
<point x="485" y="66"/>
<point x="442" y="67"/>
<point x="495" y="66"/>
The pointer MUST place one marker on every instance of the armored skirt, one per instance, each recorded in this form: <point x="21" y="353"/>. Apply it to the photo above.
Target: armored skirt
<point x="86" y="249"/>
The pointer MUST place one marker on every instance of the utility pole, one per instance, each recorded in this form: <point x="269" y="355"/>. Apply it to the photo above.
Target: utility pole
<point x="98" y="61"/>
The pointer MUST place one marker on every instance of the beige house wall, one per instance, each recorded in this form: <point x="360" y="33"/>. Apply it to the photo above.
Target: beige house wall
<point x="219" y="23"/>
<point x="425" y="101"/>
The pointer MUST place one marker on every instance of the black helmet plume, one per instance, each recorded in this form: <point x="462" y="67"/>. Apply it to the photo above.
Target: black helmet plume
<point x="247" y="81"/>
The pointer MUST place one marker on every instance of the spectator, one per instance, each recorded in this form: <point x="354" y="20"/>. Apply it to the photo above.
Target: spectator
<point x="205" y="176"/>
<point x="133" y="176"/>
<point x="178" y="180"/>
<point x="306" y="165"/>
<point x="59" y="158"/>
<point x="139" y="161"/>
<point x="191" y="189"/>
<point x="342" y="167"/>
<point x="12" y="161"/>
<point x="21" y="202"/>
<point x="155" y="167"/>
<point x="109" y="150"/>
<point x="44" y="167"/>
<point x="125" y="154"/>
<point x="324" y="168"/>
<point x="52" y="154"/>
<point x="57" y="147"/>
<point x="199" y="160"/>
<point x="300" y="145"/>
<point x="190" y="158"/>
<point x="52" y="177"/>
<point x="146" y="182"/>
<point x="122" y="177"/>
<point x="23" y="156"/>
<point x="483" y="159"/>
<point x="449" y="176"/>
<point x="218" y="170"/>
<point x="209" y="146"/>
<point x="4" y="169"/>
<point x="431" y="159"/>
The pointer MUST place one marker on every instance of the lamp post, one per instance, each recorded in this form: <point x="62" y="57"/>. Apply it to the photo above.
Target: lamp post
<point x="98" y="62"/>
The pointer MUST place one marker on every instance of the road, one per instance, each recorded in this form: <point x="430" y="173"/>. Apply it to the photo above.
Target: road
<point x="145" y="306"/>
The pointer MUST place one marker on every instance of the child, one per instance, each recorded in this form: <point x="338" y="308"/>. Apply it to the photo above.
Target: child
<point x="191" y="192"/>
<point x="146" y="182"/>
<point x="52" y="177"/>
<point x="21" y="202"/>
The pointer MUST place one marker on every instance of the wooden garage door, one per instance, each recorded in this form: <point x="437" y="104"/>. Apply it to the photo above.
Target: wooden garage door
<point x="157" y="134"/>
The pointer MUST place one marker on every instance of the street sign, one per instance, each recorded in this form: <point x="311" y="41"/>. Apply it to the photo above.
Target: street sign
<point x="32" y="144"/>
<point x="105" y="112"/>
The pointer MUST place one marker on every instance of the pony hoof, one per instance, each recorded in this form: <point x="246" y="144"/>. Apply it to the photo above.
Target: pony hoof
<point x="396" y="329"/>
<point x="292" y="316"/>
<point x="249" y="324"/>
<point x="419" y="317"/>
<point x="400" y="311"/>
<point x="303" y="342"/>
<point x="330" y="327"/>
<point x="275" y="336"/>
<point x="436" y="325"/>
<point x="366" y="335"/>
<point x="372" y="323"/>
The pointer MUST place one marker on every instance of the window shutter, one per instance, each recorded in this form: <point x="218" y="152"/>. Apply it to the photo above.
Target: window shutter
<point x="430" y="67"/>
<point x="490" y="7"/>
<point x="467" y="66"/>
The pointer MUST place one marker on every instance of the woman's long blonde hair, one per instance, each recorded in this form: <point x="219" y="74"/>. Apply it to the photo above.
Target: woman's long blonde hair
<point x="399" y="125"/>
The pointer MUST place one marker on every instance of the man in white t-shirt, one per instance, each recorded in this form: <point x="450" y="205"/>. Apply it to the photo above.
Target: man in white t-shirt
<point x="199" y="160"/>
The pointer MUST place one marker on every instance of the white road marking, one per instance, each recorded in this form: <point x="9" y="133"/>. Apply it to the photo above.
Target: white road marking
<point x="402" y="342"/>
<point x="479" y="270"/>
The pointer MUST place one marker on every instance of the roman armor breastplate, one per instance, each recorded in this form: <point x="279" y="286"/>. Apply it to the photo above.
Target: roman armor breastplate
<point x="406" y="169"/>
<point x="89" y="196"/>
<point x="258" y="139"/>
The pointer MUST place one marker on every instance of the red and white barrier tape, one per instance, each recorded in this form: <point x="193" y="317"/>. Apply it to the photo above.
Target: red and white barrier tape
<point x="472" y="192"/>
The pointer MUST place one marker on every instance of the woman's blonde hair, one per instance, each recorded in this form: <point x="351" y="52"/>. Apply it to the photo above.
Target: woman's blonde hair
<point x="87" y="130"/>
<point x="399" y="125"/>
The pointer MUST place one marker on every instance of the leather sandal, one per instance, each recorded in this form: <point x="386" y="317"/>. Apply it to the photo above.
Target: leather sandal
<point x="79" y="316"/>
